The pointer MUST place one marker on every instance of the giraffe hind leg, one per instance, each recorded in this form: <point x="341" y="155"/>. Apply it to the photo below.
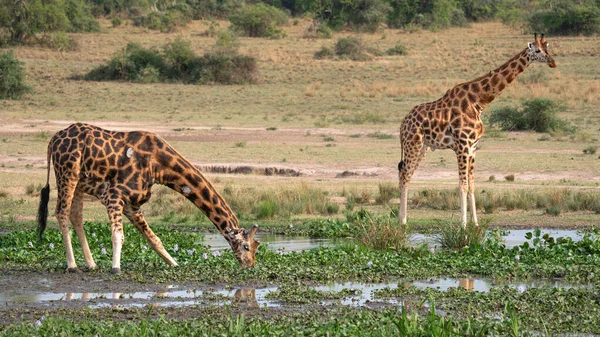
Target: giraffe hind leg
<point x="413" y="154"/>
<point x="76" y="217"/>
<point x="66" y="190"/>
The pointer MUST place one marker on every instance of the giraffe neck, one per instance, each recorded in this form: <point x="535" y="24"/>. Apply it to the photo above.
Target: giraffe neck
<point x="181" y="176"/>
<point x="485" y="89"/>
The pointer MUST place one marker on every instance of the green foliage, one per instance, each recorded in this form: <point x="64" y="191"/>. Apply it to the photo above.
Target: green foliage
<point x="61" y="41"/>
<point x="398" y="49"/>
<point x="167" y="21"/>
<point x="590" y="149"/>
<point x="176" y="62"/>
<point x="567" y="18"/>
<point x="346" y="48"/>
<point x="535" y="114"/>
<point x="367" y="15"/>
<point x="227" y="42"/>
<point x="12" y="77"/>
<point x="116" y="22"/>
<point x="454" y="235"/>
<point x="260" y="20"/>
<point x="24" y="20"/>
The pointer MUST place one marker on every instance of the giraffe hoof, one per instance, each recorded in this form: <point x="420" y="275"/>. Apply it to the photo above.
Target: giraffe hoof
<point x="74" y="270"/>
<point x="115" y="271"/>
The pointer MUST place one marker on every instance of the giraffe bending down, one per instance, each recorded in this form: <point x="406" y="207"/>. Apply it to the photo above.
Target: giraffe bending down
<point x="453" y="122"/>
<point x="119" y="168"/>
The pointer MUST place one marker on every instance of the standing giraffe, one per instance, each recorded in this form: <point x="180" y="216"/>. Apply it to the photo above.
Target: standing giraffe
<point x="453" y="122"/>
<point x="119" y="168"/>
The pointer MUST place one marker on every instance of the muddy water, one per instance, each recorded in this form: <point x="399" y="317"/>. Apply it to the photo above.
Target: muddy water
<point x="172" y="296"/>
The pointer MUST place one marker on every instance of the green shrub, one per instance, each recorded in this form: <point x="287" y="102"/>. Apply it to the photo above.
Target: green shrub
<point x="34" y="19"/>
<point x="174" y="17"/>
<point x="351" y="48"/>
<point x="227" y="42"/>
<point x="398" y="49"/>
<point x="260" y="20"/>
<point x="368" y="15"/>
<point x="535" y="114"/>
<point x="510" y="177"/>
<point x="590" y="150"/>
<point x="61" y="41"/>
<point x="176" y="62"/>
<point x="116" y="22"/>
<point x="324" y="32"/>
<point x="324" y="53"/>
<point x="223" y="69"/>
<point x="12" y="77"/>
<point x="566" y="18"/>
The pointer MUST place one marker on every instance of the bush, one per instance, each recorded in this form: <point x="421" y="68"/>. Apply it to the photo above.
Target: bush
<point x="536" y="115"/>
<point x="398" y="49"/>
<point x="61" y="41"/>
<point x="590" y="150"/>
<point x="12" y="77"/>
<point x="324" y="53"/>
<point x="368" y="15"/>
<point x="259" y="20"/>
<point x="24" y="20"/>
<point x="174" y="17"/>
<point x="351" y="48"/>
<point x="116" y="22"/>
<point x="227" y="42"/>
<point x="567" y="18"/>
<point x="177" y="62"/>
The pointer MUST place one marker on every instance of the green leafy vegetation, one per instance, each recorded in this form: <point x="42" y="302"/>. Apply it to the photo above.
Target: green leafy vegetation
<point x="34" y="20"/>
<point x="567" y="18"/>
<point x="454" y="235"/>
<point x="12" y="77"/>
<point x="176" y="62"/>
<point x="296" y="294"/>
<point x="537" y="115"/>
<point x="166" y="21"/>
<point x="259" y="20"/>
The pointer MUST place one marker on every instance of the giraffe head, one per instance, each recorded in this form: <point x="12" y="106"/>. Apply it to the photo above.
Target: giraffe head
<point x="244" y="246"/>
<point x="538" y="51"/>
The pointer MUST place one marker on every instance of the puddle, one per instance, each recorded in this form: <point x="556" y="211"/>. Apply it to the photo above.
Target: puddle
<point x="171" y="297"/>
<point x="282" y="243"/>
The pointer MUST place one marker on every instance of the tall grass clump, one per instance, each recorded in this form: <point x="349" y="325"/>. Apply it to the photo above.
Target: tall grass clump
<point x="346" y="48"/>
<point x="537" y="115"/>
<point x="456" y="236"/>
<point x="176" y="62"/>
<point x="12" y="77"/>
<point x="387" y="191"/>
<point x="382" y="233"/>
<point x="259" y="20"/>
<point x="279" y="202"/>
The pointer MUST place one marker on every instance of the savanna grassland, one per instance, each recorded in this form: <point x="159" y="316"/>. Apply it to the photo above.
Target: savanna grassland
<point x="330" y="128"/>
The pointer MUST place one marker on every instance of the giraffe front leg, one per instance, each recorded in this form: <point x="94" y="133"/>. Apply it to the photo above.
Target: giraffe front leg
<point x="76" y="217"/>
<point x="115" y="214"/>
<point x="137" y="219"/>
<point x="472" y="190"/>
<point x="463" y="167"/>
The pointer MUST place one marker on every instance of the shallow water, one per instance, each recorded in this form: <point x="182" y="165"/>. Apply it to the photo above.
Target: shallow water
<point x="172" y="296"/>
<point x="282" y="243"/>
<point x="286" y="243"/>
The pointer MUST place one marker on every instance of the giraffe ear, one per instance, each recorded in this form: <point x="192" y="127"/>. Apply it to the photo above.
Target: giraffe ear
<point x="530" y="45"/>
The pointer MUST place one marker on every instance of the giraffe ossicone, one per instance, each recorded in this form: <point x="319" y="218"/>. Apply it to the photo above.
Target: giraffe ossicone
<point x="454" y="122"/>
<point x="91" y="160"/>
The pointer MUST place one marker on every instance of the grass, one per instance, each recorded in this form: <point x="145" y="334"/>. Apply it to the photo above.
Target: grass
<point x="513" y="199"/>
<point x="454" y="235"/>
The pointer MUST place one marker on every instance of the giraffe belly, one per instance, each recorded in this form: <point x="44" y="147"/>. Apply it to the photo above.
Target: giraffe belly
<point x="92" y="186"/>
<point x="445" y="142"/>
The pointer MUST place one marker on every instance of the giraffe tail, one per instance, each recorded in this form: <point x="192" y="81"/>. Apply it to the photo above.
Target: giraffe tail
<point x="42" y="216"/>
